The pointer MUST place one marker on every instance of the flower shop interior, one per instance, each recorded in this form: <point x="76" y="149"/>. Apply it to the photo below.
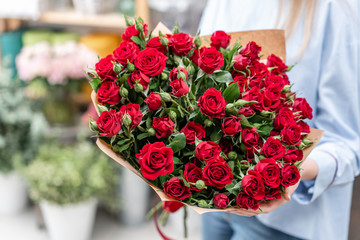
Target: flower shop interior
<point x="47" y="150"/>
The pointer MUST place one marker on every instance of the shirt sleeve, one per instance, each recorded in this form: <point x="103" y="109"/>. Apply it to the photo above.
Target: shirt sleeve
<point x="338" y="107"/>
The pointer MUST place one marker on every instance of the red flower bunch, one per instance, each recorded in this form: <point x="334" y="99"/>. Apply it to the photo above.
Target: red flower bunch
<point x="210" y="126"/>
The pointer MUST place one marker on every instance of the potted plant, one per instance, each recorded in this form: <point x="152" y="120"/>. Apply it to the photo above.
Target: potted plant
<point x="67" y="181"/>
<point x="20" y="131"/>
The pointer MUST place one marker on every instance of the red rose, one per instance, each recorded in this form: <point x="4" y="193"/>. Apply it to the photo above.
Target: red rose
<point x="290" y="175"/>
<point x="226" y="146"/>
<point x="291" y="134"/>
<point x="171" y="206"/>
<point x="251" y="50"/>
<point x="254" y="95"/>
<point x="210" y="60"/>
<point x="207" y="151"/>
<point x="127" y="51"/>
<point x="150" y="61"/>
<point x="302" y="106"/>
<point x="192" y="174"/>
<point x="231" y="126"/>
<point x="272" y="193"/>
<point x="217" y="174"/>
<point x="250" y="154"/>
<point x="181" y="43"/>
<point x="242" y="82"/>
<point x="273" y="149"/>
<point x="131" y="31"/>
<point x="271" y="97"/>
<point x="293" y="155"/>
<point x="256" y="82"/>
<point x="155" y="43"/>
<point x="108" y="93"/>
<point x="179" y="87"/>
<point x="173" y="75"/>
<point x="109" y="123"/>
<point x="155" y="160"/>
<point x="246" y="202"/>
<point x="278" y="80"/>
<point x="191" y="130"/>
<point x="250" y="138"/>
<point x="104" y="68"/>
<point x="284" y="117"/>
<point x="195" y="57"/>
<point x="274" y="61"/>
<point x="220" y="39"/>
<point x="212" y="104"/>
<point x="220" y="200"/>
<point x="246" y="111"/>
<point x="270" y="172"/>
<point x="131" y="111"/>
<point x="153" y="101"/>
<point x="163" y="126"/>
<point x="241" y="62"/>
<point x="138" y="77"/>
<point x="176" y="188"/>
<point x="258" y="70"/>
<point x="253" y="185"/>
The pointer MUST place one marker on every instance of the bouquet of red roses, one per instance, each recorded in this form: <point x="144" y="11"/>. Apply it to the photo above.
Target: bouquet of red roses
<point x="212" y="127"/>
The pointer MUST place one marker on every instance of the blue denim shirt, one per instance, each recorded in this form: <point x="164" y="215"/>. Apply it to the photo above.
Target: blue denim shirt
<point x="328" y="76"/>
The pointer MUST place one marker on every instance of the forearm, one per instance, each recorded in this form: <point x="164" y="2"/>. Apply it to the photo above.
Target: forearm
<point x="310" y="169"/>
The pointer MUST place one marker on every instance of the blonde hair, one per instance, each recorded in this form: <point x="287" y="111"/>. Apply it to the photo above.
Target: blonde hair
<point x="293" y="18"/>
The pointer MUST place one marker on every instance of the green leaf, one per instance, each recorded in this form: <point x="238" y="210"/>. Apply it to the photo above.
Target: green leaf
<point x="234" y="187"/>
<point x="177" y="161"/>
<point x="178" y="143"/>
<point x="136" y="40"/>
<point x="222" y="77"/>
<point x="191" y="153"/>
<point x="121" y="142"/>
<point x="265" y="130"/>
<point x="200" y="74"/>
<point x="95" y="84"/>
<point x="129" y="22"/>
<point x="193" y="114"/>
<point x="142" y="136"/>
<point x="232" y="93"/>
<point x="148" y="122"/>
<point x="215" y="136"/>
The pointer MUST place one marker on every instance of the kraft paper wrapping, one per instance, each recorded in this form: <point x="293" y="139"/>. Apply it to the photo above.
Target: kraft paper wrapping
<point x="271" y="41"/>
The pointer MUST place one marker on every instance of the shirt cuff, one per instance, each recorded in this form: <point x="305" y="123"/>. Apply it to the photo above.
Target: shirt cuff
<point x="309" y="190"/>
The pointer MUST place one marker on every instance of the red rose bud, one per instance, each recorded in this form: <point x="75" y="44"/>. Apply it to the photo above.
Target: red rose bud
<point x="251" y="50"/>
<point x="291" y="134"/>
<point x="108" y="93"/>
<point x="276" y="63"/>
<point x="193" y="174"/>
<point x="254" y="95"/>
<point x="109" y="123"/>
<point x="304" y="127"/>
<point x="278" y="80"/>
<point x="246" y="202"/>
<point x="126" y="52"/>
<point x="226" y="146"/>
<point x="293" y="155"/>
<point x="132" y="31"/>
<point x="191" y="130"/>
<point x="207" y="151"/>
<point x="270" y="172"/>
<point x="250" y="138"/>
<point x="290" y="175"/>
<point x="179" y="87"/>
<point x="220" y="39"/>
<point x="150" y="62"/>
<point x="176" y="188"/>
<point x="258" y="71"/>
<point x="155" y="160"/>
<point x="195" y="57"/>
<point x="231" y="126"/>
<point x="155" y="43"/>
<point x="284" y="117"/>
<point x="302" y="106"/>
<point x="210" y="60"/>
<point x="105" y="68"/>
<point x="220" y="200"/>
<point x="241" y="62"/>
<point x="140" y="78"/>
<point x="271" y="97"/>
<point x="212" y="104"/>
<point x="174" y="73"/>
<point x="132" y="111"/>
<point x="153" y="101"/>
<point x="272" y="193"/>
<point x="246" y="111"/>
<point x="181" y="43"/>
<point x="273" y="149"/>
<point x="249" y="155"/>
<point x="242" y="82"/>
<point x="217" y="174"/>
<point x="253" y="185"/>
<point x="172" y="206"/>
<point x="164" y="127"/>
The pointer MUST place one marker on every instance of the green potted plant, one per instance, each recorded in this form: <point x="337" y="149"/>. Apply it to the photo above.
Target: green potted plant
<point x="67" y="181"/>
<point x="21" y="127"/>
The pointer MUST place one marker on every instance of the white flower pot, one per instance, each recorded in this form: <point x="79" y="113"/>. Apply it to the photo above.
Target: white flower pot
<point x="70" y="222"/>
<point x="13" y="193"/>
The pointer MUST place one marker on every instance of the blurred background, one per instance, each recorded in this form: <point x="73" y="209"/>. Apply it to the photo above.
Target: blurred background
<point x="51" y="172"/>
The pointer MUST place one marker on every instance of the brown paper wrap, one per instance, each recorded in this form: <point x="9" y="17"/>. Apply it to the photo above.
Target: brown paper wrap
<point x="271" y="41"/>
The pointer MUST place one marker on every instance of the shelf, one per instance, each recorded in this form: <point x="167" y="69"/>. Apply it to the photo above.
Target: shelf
<point x="112" y="20"/>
